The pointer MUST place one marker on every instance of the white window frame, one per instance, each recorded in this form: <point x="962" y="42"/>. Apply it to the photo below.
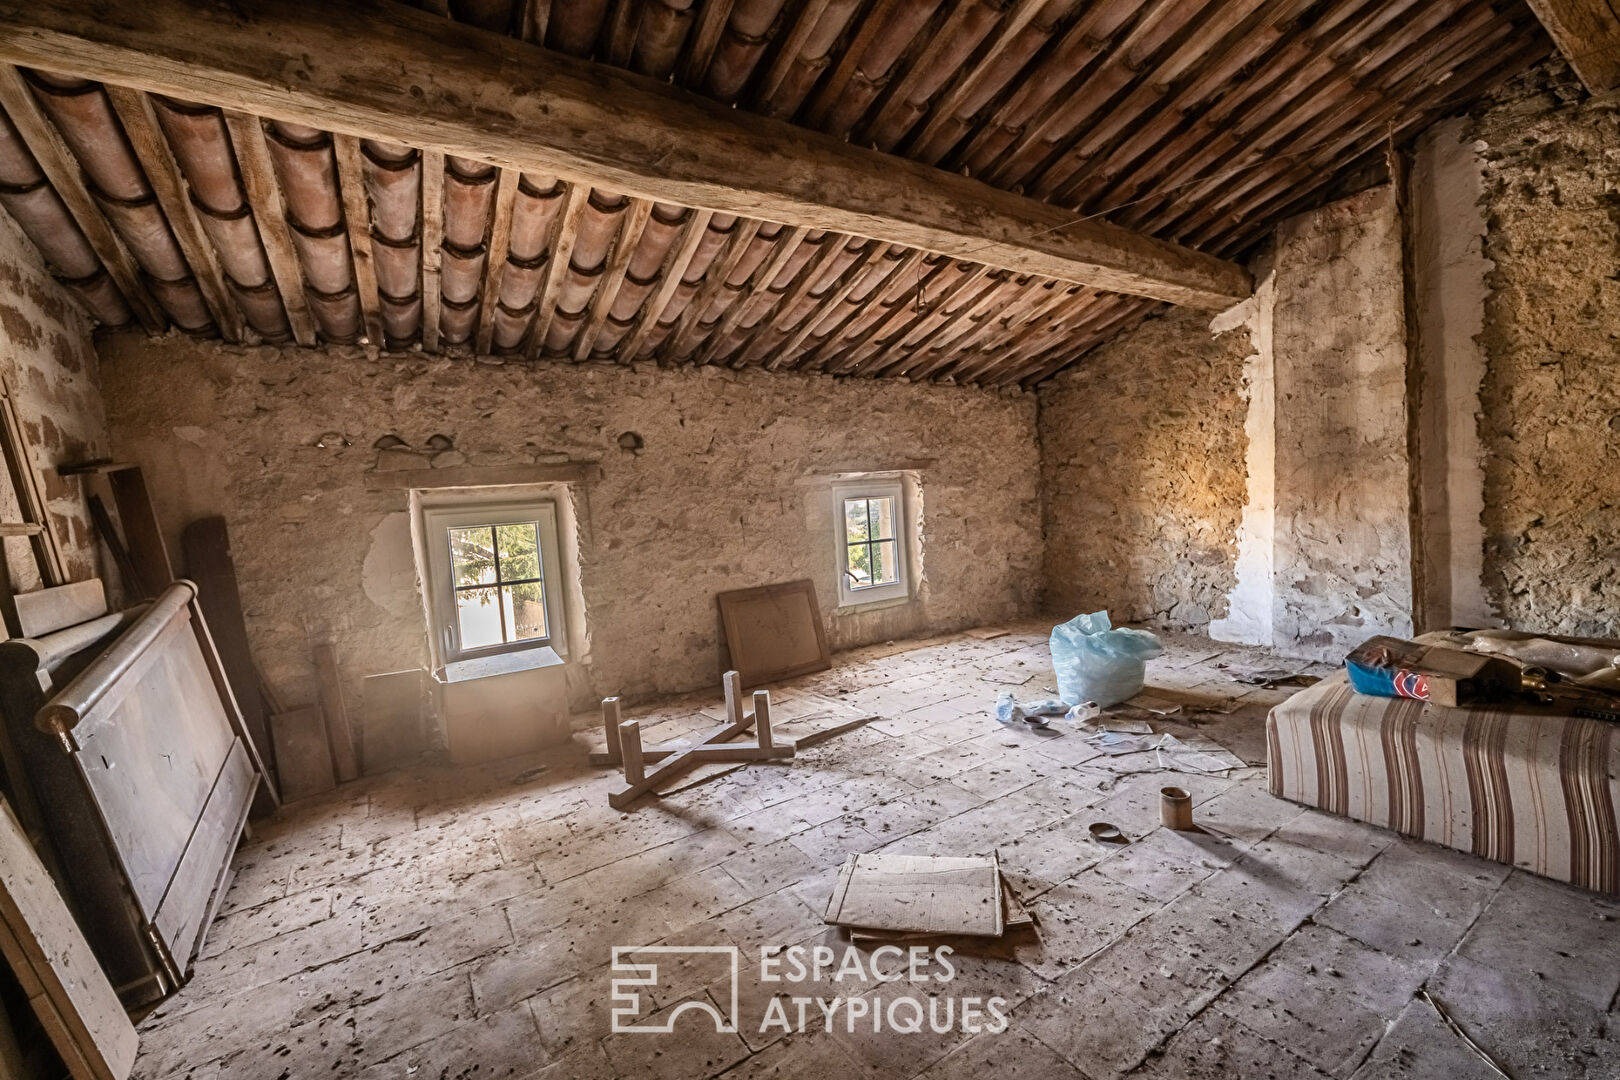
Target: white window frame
<point x="436" y="523"/>
<point x="850" y="595"/>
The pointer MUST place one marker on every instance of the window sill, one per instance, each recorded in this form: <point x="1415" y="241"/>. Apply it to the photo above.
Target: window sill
<point x="872" y="605"/>
<point x="484" y="667"/>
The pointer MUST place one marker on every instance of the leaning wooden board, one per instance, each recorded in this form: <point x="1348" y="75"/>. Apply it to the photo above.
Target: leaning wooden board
<point x="207" y="548"/>
<point x="774" y="631"/>
<point x="65" y="986"/>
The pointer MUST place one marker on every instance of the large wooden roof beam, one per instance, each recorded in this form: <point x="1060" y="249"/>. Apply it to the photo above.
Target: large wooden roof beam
<point x="426" y="82"/>
<point x="1587" y="32"/>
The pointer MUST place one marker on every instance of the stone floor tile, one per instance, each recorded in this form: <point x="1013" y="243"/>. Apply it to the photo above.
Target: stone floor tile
<point x="1079" y="917"/>
<point x="1216" y="1047"/>
<point x="1412" y="931"/>
<point x="1419" y="1044"/>
<point x="1014" y="1052"/>
<point x="1093" y="1026"/>
<point x="691" y="1051"/>
<point x="1548" y="930"/>
<point x="1531" y="1026"/>
<point x="503" y="1046"/>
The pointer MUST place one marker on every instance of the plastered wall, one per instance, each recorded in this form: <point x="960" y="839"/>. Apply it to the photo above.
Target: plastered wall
<point x="1142" y="469"/>
<point x="46" y="354"/>
<point x="1551" y="334"/>
<point x="1343" y="552"/>
<point x="730" y="488"/>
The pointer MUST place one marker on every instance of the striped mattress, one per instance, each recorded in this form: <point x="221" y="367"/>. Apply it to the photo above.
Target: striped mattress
<point x="1534" y="789"/>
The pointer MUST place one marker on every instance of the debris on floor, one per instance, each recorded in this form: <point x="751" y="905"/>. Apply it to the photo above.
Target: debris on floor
<point x="1095" y="661"/>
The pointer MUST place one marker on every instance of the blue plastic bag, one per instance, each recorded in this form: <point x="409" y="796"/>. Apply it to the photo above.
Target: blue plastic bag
<point x="1096" y="662"/>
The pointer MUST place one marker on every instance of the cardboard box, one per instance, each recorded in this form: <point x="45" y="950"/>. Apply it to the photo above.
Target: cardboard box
<point x="1393" y="667"/>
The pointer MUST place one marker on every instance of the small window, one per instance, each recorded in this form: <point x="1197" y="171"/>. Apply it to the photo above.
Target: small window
<point x="871" y="542"/>
<point x="496" y="586"/>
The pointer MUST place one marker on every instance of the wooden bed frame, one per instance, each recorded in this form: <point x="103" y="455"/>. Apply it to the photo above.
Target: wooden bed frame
<point x="142" y="776"/>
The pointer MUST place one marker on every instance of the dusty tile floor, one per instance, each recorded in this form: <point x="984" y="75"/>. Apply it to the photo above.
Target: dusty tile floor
<point x="438" y="923"/>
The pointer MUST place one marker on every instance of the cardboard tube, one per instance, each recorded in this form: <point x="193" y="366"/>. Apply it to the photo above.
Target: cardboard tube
<point x="1175" y="808"/>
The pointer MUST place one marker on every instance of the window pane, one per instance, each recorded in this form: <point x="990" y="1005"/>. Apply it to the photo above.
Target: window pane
<point x="472" y="560"/>
<point x="478" y="616"/>
<point x="885" y="567"/>
<point x="859" y="565"/>
<point x="855" y="520"/>
<point x="883" y="519"/>
<point x="525" y="611"/>
<point x="519" y="550"/>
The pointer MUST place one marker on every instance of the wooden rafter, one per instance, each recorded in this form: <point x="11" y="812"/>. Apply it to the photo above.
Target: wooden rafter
<point x="618" y="264"/>
<point x="1587" y="32"/>
<point x="562" y="250"/>
<point x="905" y="273"/>
<point x="786" y="244"/>
<point x="500" y="236"/>
<point x="711" y="22"/>
<point x="296" y="62"/>
<point x="432" y="244"/>
<point x="140" y="124"/>
<point x="675" y="264"/>
<point x="357" y="216"/>
<point x="851" y="279"/>
<point x="935" y="308"/>
<point x="943" y="111"/>
<point x="679" y="343"/>
<point x="60" y="168"/>
<point x="832" y="245"/>
<point x="264" y="197"/>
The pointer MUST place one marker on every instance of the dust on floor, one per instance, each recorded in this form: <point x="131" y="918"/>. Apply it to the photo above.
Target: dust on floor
<point x="438" y="923"/>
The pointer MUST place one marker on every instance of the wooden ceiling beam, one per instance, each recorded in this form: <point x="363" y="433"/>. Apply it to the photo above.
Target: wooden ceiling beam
<point x="624" y="249"/>
<point x="1587" y="32"/>
<point x="357" y="216"/>
<point x="432" y="244"/>
<point x="787" y="242"/>
<point x="264" y="198"/>
<point x="697" y="223"/>
<point x="500" y="236"/>
<point x="495" y="99"/>
<point x="562" y="251"/>
<point x="140" y="125"/>
<point x="62" y="170"/>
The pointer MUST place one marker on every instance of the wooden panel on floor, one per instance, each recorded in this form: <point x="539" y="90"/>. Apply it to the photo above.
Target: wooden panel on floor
<point x="937" y="894"/>
<point x="66" y="987"/>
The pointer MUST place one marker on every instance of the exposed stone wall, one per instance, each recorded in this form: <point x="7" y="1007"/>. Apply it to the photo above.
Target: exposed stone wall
<point x="728" y="490"/>
<point x="1551" y="393"/>
<point x="1142" y="468"/>
<point x="46" y="353"/>
<point x="1343" y="550"/>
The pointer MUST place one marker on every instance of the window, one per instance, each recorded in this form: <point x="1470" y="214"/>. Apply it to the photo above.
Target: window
<point x="495" y="583"/>
<point x="871" y="541"/>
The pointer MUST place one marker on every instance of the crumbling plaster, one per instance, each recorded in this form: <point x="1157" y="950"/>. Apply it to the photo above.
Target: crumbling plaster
<point x="1343" y="551"/>
<point x="725" y="492"/>
<point x="46" y="354"/>
<point x="1142" y="451"/>
<point x="1551" y="391"/>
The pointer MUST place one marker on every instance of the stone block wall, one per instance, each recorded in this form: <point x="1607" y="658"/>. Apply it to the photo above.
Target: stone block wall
<point x="47" y="355"/>
<point x="1551" y="391"/>
<point x="1142" y="474"/>
<point x="711" y="480"/>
